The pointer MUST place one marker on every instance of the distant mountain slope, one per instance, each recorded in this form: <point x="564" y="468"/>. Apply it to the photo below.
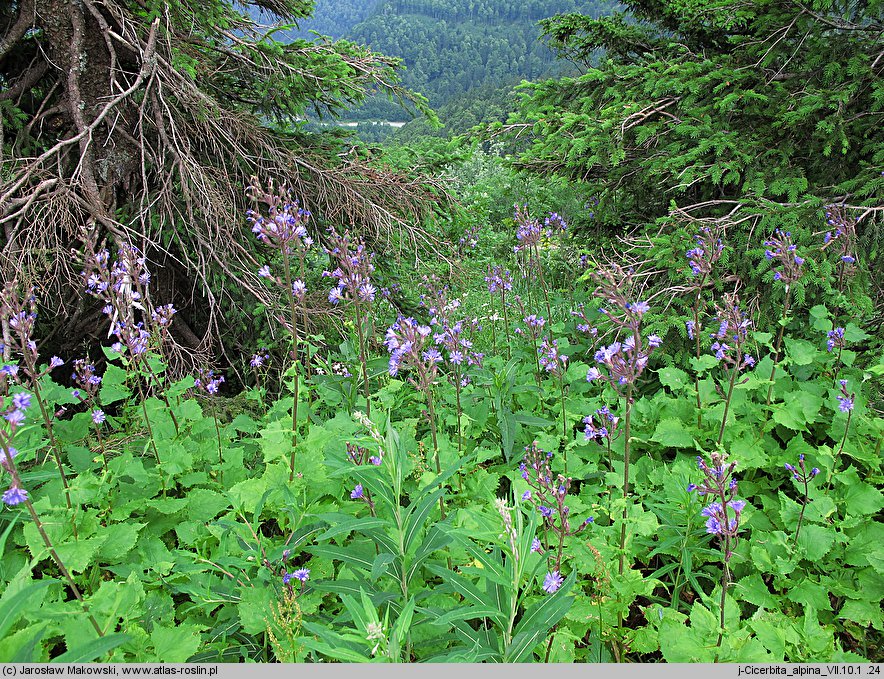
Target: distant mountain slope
<point x="453" y="46"/>
<point x="455" y="51"/>
<point x="335" y="18"/>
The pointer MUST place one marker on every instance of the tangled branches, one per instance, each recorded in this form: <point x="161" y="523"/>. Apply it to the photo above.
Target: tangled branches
<point x="148" y="119"/>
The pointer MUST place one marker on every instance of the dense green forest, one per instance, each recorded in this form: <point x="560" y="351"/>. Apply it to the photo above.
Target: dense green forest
<point x="593" y="373"/>
<point x="451" y="49"/>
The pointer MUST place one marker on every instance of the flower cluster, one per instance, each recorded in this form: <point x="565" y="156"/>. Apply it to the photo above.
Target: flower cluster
<point x="259" y="359"/>
<point x="836" y="340"/>
<point x="846" y="399"/>
<point x="842" y="237"/>
<point x="352" y="272"/>
<point x="604" y="429"/>
<point x="529" y="231"/>
<point x="784" y="252"/>
<point x="301" y="574"/>
<point x="408" y="344"/>
<point x="449" y="333"/>
<point x="706" y="253"/>
<point x="208" y="382"/>
<point x="21" y="315"/>
<point x="584" y="325"/>
<point x="285" y="226"/>
<point x="87" y="381"/>
<point x="499" y="279"/>
<point x="732" y="334"/>
<point x="551" y="360"/>
<point x="122" y="286"/>
<point x="723" y="514"/>
<point x="624" y="359"/>
<point x="469" y="240"/>
<point x="801" y="474"/>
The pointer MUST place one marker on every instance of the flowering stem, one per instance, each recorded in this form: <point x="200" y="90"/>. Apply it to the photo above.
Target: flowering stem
<point x="697" y="346"/>
<point x="841" y="449"/>
<point x="837" y="364"/>
<point x="506" y="322"/>
<point x="156" y="381"/>
<point x="362" y="360"/>
<point x="97" y="428"/>
<point x="304" y="321"/>
<point x="46" y="541"/>
<point x="52" y="441"/>
<point x="220" y="454"/>
<point x="626" y="446"/>
<point x="536" y="357"/>
<point x="564" y="420"/>
<point x="293" y="309"/>
<point x="777" y="346"/>
<point x="730" y="393"/>
<point x="539" y="265"/>
<point x="457" y="390"/>
<point x="153" y="443"/>
<point x="725" y="579"/>
<point x="431" y="411"/>
<point x="803" y="506"/>
<point x="725" y="567"/>
<point x="493" y="324"/>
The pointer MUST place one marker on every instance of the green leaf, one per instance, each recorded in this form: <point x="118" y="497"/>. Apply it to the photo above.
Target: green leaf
<point x="175" y="644"/>
<point x="673" y="433"/>
<point x="673" y="378"/>
<point x="12" y="606"/>
<point x="113" y="385"/>
<point x="816" y="541"/>
<point x="801" y="351"/>
<point x="93" y="649"/>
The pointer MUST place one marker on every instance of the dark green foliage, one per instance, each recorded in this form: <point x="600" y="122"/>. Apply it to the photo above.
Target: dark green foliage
<point x="772" y="107"/>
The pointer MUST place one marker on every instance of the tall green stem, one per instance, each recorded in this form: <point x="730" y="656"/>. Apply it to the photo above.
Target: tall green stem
<point x="49" y="546"/>
<point x="506" y="323"/>
<point x="293" y="310"/>
<point x="431" y="411"/>
<point x="626" y="450"/>
<point x="777" y="346"/>
<point x="564" y="418"/>
<point x="841" y="449"/>
<point x="697" y="346"/>
<point x="363" y="360"/>
<point x="53" y="443"/>
<point x="730" y="393"/>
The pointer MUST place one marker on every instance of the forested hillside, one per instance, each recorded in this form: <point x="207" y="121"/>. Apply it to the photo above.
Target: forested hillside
<point x="449" y="47"/>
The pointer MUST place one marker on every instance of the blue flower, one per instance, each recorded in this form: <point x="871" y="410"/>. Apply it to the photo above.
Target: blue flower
<point x="21" y="401"/>
<point x="98" y="416"/>
<point x="552" y="582"/>
<point x="357" y="492"/>
<point x="15" y="496"/>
